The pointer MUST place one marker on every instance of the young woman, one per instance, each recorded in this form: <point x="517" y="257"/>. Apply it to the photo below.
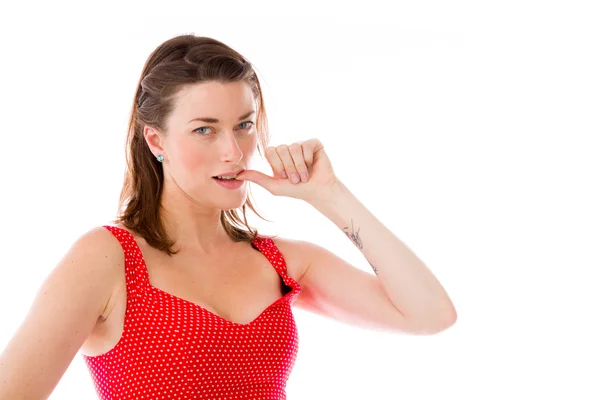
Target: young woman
<point x="180" y="298"/>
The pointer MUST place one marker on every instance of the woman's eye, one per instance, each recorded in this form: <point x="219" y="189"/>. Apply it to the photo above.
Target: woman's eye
<point x="198" y="130"/>
<point x="203" y="130"/>
<point x="248" y="126"/>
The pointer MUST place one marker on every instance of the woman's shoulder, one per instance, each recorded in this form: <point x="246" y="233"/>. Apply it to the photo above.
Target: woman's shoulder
<point x="98" y="241"/>
<point x="69" y="303"/>
<point x="295" y="253"/>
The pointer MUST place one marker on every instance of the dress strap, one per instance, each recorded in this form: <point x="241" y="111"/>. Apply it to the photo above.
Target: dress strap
<point x="268" y="248"/>
<point x="136" y="274"/>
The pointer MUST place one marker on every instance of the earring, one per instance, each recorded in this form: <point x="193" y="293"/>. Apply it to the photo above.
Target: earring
<point x="160" y="158"/>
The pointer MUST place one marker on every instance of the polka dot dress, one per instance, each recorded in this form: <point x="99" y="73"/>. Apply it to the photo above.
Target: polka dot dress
<point x="174" y="349"/>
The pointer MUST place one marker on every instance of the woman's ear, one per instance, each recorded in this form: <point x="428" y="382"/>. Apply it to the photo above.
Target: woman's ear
<point x="154" y="140"/>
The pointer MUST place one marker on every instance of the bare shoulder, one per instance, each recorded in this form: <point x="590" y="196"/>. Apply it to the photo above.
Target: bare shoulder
<point x="96" y="255"/>
<point x="97" y="248"/>
<point x="98" y="240"/>
<point x="66" y="308"/>
<point x="297" y="255"/>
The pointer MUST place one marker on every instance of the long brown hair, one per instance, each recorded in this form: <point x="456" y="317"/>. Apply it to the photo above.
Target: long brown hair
<point x="179" y="61"/>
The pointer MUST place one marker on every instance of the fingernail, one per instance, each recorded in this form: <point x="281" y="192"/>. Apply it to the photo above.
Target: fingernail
<point x="304" y="176"/>
<point x="295" y="178"/>
<point x="283" y="175"/>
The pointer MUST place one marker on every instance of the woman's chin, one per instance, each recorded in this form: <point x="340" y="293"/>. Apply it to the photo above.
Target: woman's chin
<point x="232" y="204"/>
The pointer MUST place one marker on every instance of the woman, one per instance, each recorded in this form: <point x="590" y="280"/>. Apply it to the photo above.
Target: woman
<point x="180" y="298"/>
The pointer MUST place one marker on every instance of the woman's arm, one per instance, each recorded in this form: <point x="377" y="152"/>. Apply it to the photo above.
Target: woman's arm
<point x="64" y="312"/>
<point x="404" y="295"/>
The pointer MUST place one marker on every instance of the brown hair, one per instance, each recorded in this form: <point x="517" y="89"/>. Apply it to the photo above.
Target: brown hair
<point x="179" y="61"/>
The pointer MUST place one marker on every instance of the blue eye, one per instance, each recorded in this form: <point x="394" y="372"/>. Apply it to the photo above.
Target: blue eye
<point x="202" y="133"/>
<point x="247" y="122"/>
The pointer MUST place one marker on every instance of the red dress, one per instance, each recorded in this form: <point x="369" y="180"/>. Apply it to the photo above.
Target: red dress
<point x="174" y="349"/>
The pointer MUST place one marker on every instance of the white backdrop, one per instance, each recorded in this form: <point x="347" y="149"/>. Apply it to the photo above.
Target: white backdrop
<point x="470" y="129"/>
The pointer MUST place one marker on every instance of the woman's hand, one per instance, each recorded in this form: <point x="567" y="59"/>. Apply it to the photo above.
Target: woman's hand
<point x="301" y="170"/>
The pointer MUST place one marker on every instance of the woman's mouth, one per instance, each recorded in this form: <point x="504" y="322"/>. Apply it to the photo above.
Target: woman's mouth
<point x="229" y="183"/>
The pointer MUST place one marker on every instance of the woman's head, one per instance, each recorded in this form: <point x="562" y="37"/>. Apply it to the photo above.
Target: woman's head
<point x="186" y="79"/>
<point x="210" y="132"/>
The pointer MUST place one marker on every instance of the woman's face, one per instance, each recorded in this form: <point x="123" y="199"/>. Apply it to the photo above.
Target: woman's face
<point x="210" y="132"/>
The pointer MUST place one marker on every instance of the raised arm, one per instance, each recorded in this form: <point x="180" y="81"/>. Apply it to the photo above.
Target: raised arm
<point x="403" y="295"/>
<point x="66" y="308"/>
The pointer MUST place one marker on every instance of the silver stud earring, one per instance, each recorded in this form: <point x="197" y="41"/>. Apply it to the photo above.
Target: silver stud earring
<point x="160" y="158"/>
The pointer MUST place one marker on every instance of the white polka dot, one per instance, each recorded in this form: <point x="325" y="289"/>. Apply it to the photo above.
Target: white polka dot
<point x="174" y="349"/>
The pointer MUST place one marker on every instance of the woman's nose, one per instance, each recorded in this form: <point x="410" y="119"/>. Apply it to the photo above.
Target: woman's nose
<point x="230" y="149"/>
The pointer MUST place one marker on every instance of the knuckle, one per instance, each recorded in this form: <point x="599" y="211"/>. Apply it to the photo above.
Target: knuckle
<point x="270" y="151"/>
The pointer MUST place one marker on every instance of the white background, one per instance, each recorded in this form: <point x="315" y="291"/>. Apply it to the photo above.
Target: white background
<point x="470" y="128"/>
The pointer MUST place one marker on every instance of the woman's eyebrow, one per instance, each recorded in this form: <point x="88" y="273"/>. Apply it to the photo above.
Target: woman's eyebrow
<point x="214" y="120"/>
